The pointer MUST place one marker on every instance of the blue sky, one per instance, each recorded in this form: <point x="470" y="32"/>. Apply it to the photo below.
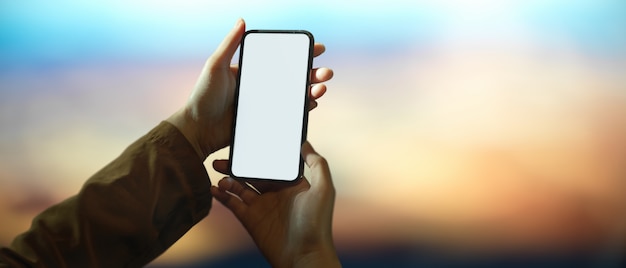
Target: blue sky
<point x="65" y="30"/>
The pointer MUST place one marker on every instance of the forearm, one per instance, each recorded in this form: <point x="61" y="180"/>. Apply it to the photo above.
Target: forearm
<point x="126" y="214"/>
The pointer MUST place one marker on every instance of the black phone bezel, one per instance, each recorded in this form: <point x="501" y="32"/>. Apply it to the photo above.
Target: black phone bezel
<point x="305" y="106"/>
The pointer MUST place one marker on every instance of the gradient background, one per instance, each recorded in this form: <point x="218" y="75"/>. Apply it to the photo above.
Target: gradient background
<point x="491" y="131"/>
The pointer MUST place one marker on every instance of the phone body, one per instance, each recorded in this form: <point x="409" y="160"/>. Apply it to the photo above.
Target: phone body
<point x="271" y="105"/>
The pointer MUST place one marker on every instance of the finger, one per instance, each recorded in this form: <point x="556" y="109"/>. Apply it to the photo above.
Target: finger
<point x="266" y="186"/>
<point x="321" y="178"/>
<point x="234" y="68"/>
<point x="221" y="166"/>
<point x="318" y="49"/>
<point x="233" y="203"/>
<point x="245" y="193"/>
<point x="320" y="75"/>
<point x="228" y="47"/>
<point x="312" y="105"/>
<point x="317" y="91"/>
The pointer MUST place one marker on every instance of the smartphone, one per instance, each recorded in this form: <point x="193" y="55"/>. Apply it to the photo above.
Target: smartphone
<point x="271" y="105"/>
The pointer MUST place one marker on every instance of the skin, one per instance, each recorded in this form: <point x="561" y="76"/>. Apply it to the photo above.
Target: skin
<point x="207" y="117"/>
<point x="290" y="223"/>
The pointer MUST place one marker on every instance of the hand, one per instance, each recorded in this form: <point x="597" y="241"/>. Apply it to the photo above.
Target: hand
<point x="207" y="117"/>
<point x="292" y="223"/>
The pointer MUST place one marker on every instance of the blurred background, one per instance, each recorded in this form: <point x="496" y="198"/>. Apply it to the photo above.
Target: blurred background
<point x="460" y="133"/>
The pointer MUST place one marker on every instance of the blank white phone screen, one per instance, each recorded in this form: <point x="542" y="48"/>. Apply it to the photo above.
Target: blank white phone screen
<point x="269" y="123"/>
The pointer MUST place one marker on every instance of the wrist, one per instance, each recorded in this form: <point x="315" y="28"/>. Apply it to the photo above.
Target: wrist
<point x="185" y="123"/>
<point x="325" y="256"/>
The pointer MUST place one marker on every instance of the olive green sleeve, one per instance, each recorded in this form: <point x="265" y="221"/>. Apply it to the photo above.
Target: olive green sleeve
<point x="126" y="214"/>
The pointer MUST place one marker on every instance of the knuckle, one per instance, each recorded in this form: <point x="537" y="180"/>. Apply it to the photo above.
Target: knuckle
<point x="321" y="161"/>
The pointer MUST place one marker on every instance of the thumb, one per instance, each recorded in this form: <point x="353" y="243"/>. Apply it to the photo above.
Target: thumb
<point x="225" y="51"/>
<point x="321" y="178"/>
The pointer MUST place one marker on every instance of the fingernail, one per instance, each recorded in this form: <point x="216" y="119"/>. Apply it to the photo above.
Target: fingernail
<point x="238" y="22"/>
